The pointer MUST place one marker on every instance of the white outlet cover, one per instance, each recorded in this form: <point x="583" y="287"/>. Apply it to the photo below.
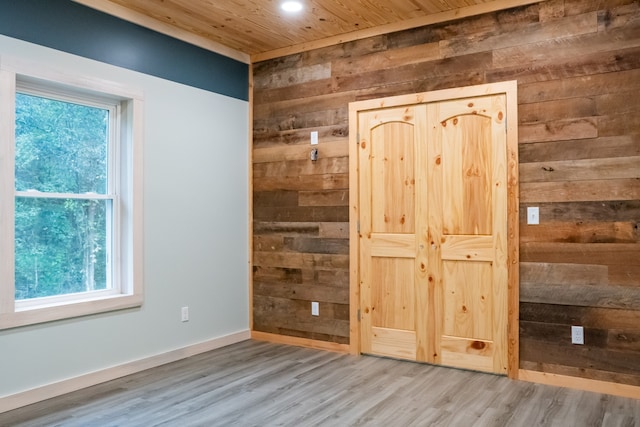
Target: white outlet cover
<point x="314" y="137"/>
<point x="533" y="215"/>
<point x="315" y="308"/>
<point x="577" y="335"/>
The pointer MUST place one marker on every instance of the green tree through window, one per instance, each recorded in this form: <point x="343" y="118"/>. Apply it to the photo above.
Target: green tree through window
<point x="62" y="207"/>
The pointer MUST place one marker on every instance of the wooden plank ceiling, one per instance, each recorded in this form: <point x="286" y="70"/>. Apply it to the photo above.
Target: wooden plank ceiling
<point x="260" y="29"/>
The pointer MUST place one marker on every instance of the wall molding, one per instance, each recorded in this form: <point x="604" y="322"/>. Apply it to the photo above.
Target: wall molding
<point x="28" y="397"/>
<point x="585" y="384"/>
<point x="300" y="342"/>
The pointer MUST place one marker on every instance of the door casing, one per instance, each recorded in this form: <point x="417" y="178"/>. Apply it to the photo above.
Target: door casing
<point x="509" y="89"/>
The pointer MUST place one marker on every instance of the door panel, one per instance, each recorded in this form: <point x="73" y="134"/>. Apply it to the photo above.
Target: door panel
<point x="396" y="343"/>
<point x="392" y="170"/>
<point x="460" y="353"/>
<point x="467" y="248"/>
<point x="467" y="300"/>
<point x="466" y="170"/>
<point x="393" y="245"/>
<point x="392" y="293"/>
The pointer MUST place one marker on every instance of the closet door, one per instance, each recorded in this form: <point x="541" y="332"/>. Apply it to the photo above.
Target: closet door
<point x="433" y="267"/>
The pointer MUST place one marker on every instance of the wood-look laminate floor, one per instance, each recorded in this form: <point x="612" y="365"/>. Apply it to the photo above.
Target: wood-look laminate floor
<point x="261" y="384"/>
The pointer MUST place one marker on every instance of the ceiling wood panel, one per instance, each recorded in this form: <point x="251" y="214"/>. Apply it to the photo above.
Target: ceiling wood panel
<point x="259" y="29"/>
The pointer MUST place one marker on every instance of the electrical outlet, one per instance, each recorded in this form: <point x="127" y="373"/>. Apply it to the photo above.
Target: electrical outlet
<point x="185" y="314"/>
<point x="577" y="335"/>
<point x="533" y="215"/>
<point x="315" y="308"/>
<point x="314" y="137"/>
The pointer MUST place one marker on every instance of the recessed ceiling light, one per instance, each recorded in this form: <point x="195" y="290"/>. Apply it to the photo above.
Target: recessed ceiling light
<point x="291" y="6"/>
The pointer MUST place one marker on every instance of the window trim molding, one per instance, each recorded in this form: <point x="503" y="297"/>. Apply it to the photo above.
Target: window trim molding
<point x="131" y="230"/>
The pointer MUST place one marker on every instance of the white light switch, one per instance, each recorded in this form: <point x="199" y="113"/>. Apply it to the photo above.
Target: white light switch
<point x="533" y="215"/>
<point x="315" y="308"/>
<point x="314" y="137"/>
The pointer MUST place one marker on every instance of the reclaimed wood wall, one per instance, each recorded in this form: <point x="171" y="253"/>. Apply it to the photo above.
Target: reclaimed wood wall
<point x="577" y="63"/>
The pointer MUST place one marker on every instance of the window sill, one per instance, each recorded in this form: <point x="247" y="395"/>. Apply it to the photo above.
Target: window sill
<point x="85" y="307"/>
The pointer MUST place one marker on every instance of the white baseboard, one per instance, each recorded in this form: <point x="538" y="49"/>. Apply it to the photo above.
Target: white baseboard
<point x="59" y="388"/>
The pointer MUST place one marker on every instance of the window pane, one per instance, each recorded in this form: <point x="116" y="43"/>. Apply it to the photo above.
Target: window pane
<point x="60" y="246"/>
<point x="61" y="147"/>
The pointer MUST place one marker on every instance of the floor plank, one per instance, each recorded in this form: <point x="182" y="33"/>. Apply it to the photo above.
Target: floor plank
<point x="262" y="384"/>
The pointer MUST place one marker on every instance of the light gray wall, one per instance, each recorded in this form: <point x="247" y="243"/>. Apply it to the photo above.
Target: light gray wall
<point x="195" y="235"/>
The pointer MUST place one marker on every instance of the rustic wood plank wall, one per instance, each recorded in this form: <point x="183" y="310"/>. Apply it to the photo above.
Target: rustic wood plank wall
<point x="577" y="63"/>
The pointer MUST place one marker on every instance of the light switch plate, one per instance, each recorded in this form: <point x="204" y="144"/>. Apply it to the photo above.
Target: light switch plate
<point x="315" y="308"/>
<point x="314" y="137"/>
<point x="533" y="215"/>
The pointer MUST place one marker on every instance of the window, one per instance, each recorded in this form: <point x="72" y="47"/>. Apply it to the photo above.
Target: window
<point x="70" y="197"/>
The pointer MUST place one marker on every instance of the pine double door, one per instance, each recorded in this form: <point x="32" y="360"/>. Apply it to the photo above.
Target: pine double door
<point x="432" y="238"/>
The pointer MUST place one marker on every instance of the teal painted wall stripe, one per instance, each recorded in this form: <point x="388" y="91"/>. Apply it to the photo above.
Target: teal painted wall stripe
<point x="74" y="28"/>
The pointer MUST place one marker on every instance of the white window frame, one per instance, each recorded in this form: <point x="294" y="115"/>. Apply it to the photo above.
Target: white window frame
<point x="126" y="193"/>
